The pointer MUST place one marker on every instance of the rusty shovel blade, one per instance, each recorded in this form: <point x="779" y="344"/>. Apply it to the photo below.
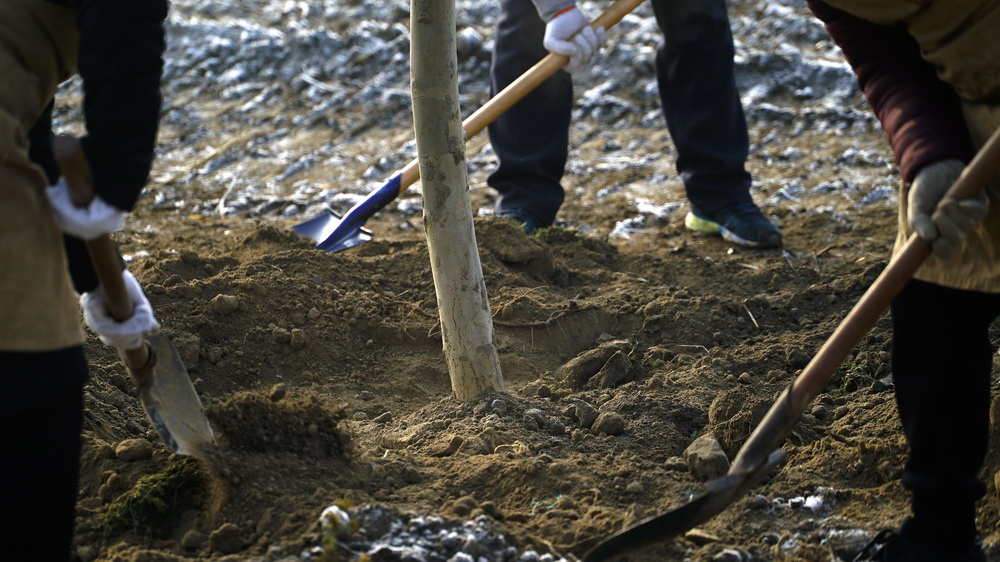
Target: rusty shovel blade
<point x="171" y="403"/>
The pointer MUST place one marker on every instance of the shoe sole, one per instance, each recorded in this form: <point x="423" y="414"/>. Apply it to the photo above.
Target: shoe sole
<point x="708" y="227"/>
<point x="700" y="225"/>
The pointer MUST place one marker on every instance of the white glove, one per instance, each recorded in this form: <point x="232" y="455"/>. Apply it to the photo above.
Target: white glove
<point x="945" y="227"/>
<point x="122" y="335"/>
<point x="580" y="49"/>
<point x="83" y="222"/>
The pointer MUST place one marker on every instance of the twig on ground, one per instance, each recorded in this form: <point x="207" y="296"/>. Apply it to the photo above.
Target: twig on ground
<point x="750" y="314"/>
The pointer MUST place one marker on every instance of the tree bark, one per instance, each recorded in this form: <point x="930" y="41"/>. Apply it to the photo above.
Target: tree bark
<point x="463" y="305"/>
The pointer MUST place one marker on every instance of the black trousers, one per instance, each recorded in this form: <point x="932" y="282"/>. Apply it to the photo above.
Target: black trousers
<point x="694" y="71"/>
<point x="41" y="416"/>
<point x="942" y="363"/>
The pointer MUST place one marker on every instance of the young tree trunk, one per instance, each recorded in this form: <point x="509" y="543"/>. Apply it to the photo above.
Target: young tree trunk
<point x="466" y="323"/>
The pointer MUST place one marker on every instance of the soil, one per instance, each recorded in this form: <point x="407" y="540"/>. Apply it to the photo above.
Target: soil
<point x="324" y="378"/>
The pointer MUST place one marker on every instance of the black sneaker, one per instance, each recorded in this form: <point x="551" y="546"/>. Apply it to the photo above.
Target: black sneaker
<point x="523" y="218"/>
<point x="890" y="546"/>
<point x="741" y="223"/>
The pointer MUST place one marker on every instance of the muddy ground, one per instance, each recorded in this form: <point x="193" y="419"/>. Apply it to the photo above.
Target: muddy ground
<point x="323" y="374"/>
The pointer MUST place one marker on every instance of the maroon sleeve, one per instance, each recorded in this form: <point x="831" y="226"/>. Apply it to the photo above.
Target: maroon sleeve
<point x="921" y="114"/>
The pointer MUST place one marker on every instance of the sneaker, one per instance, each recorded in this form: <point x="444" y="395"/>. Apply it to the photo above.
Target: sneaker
<point x="890" y="546"/>
<point x="523" y="218"/>
<point x="741" y="223"/>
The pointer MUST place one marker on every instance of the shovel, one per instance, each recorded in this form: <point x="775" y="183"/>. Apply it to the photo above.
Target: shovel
<point x="165" y="389"/>
<point x="334" y="233"/>
<point x="761" y="452"/>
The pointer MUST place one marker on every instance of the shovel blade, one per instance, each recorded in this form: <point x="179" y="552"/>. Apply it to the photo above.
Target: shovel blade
<point x="721" y="492"/>
<point x="332" y="234"/>
<point x="172" y="404"/>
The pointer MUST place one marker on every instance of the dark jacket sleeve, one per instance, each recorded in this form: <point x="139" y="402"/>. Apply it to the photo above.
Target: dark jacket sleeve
<point x="121" y="62"/>
<point x="921" y="114"/>
<point x="40" y="145"/>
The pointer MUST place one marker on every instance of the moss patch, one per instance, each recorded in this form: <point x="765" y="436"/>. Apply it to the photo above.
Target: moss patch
<point x="153" y="505"/>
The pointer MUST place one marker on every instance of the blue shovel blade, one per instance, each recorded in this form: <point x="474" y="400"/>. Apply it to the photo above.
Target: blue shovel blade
<point x="332" y="233"/>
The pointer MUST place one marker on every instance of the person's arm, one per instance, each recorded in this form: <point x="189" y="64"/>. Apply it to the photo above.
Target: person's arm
<point x="921" y="114"/>
<point x="40" y="145"/>
<point x="121" y="63"/>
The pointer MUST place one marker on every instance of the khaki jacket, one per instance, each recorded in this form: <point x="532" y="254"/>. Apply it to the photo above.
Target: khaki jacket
<point x="976" y="265"/>
<point x="38" y="307"/>
<point x="961" y="38"/>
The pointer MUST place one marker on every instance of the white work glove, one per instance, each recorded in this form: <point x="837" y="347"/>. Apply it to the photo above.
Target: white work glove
<point x="945" y="227"/>
<point x="122" y="335"/>
<point x="83" y="222"/>
<point x="559" y="38"/>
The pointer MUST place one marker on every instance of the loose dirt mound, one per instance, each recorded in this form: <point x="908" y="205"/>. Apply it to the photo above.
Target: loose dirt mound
<point x="324" y="377"/>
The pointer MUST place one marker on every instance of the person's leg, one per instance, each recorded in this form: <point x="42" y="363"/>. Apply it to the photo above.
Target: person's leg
<point x="41" y="416"/>
<point x="694" y="71"/>
<point x="942" y="360"/>
<point x="531" y="138"/>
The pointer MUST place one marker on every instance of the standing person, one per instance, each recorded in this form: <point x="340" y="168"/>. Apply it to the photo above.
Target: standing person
<point x="931" y="72"/>
<point x="117" y="45"/>
<point x="694" y="70"/>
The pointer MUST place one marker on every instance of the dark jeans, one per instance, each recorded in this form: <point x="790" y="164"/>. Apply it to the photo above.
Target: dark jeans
<point x="942" y="363"/>
<point x="694" y="70"/>
<point x="41" y="416"/>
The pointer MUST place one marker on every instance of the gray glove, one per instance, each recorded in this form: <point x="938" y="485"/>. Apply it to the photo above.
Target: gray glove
<point x="947" y="225"/>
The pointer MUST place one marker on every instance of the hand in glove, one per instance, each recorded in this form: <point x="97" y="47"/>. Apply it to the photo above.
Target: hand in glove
<point x="122" y="335"/>
<point x="945" y="227"/>
<point x="88" y="222"/>
<point x="559" y="38"/>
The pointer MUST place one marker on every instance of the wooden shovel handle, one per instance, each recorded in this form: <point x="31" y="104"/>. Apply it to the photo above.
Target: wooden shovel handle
<point x="520" y="87"/>
<point x="817" y="374"/>
<point x="102" y="250"/>
<point x="76" y="171"/>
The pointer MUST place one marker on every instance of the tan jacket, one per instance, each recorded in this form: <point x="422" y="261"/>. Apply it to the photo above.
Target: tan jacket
<point x="38" y="307"/>
<point x="976" y="265"/>
<point x="961" y="38"/>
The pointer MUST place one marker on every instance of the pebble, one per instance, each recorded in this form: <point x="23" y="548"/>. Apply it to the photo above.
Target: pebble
<point x="297" y="338"/>
<point x="224" y="304"/>
<point x="278" y="392"/>
<point x="227" y="539"/>
<point x="281" y="335"/>
<point x="609" y="423"/>
<point x="131" y="450"/>
<point x="499" y="406"/>
<point x="585" y="414"/>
